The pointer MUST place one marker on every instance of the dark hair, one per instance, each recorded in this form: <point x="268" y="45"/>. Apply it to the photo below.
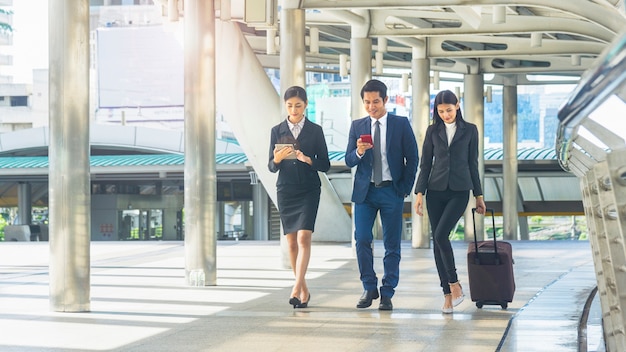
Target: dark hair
<point x="445" y="97"/>
<point x="374" y="85"/>
<point x="295" y="91"/>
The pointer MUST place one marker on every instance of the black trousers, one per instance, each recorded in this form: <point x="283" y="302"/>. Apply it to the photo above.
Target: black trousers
<point x="445" y="208"/>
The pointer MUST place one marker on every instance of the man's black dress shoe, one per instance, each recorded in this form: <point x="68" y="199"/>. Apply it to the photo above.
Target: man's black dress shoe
<point x="366" y="298"/>
<point x="385" y="304"/>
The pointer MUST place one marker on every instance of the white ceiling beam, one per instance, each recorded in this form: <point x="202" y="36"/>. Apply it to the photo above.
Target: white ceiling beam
<point x="515" y="46"/>
<point x="514" y="25"/>
<point x="472" y="15"/>
<point x="599" y="14"/>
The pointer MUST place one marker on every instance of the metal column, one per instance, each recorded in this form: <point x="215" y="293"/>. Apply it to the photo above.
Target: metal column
<point x="260" y="216"/>
<point x="473" y="111"/>
<point x="509" y="162"/>
<point x="420" y="85"/>
<point x="69" y="190"/>
<point x="24" y="203"/>
<point x="200" y="171"/>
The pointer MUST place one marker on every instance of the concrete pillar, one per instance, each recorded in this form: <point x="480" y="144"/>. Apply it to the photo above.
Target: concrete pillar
<point x="247" y="220"/>
<point x="261" y="211"/>
<point x="220" y="220"/>
<point x="148" y="233"/>
<point x="172" y="10"/>
<point x="360" y="73"/>
<point x="200" y="170"/>
<point x="524" y="231"/>
<point x="169" y="224"/>
<point x="420" y="85"/>
<point x="24" y="203"/>
<point x="69" y="181"/>
<point x="292" y="50"/>
<point x="509" y="162"/>
<point x="473" y="111"/>
<point x="292" y="72"/>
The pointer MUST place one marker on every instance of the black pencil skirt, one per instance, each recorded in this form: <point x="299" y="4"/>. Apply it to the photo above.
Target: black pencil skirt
<point x="298" y="207"/>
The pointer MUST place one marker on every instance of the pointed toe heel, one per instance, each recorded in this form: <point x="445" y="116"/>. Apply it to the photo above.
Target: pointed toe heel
<point x="304" y="304"/>
<point x="295" y="302"/>
<point x="459" y="299"/>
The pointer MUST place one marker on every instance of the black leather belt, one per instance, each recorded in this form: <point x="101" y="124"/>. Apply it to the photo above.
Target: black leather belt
<point x="382" y="184"/>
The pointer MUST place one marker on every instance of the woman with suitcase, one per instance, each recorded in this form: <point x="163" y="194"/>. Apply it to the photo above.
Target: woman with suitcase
<point x="448" y="171"/>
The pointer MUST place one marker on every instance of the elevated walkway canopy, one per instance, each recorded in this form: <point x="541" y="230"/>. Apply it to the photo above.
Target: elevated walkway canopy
<point x="144" y="157"/>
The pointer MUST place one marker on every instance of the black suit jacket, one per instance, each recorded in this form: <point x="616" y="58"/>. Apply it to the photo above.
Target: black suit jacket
<point x="455" y="166"/>
<point x="312" y="143"/>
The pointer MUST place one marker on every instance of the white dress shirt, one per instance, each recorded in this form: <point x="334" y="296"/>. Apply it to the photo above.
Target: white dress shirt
<point x="450" y="130"/>
<point x="295" y="130"/>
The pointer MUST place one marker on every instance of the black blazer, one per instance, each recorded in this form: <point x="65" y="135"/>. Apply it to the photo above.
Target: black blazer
<point x="455" y="166"/>
<point x="312" y="143"/>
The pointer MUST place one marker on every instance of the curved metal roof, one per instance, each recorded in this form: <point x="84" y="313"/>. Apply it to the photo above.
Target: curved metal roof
<point x="522" y="154"/>
<point x="31" y="162"/>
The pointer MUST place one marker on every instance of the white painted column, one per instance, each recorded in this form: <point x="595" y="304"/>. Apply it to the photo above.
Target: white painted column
<point x="200" y="169"/>
<point x="420" y="71"/>
<point x="473" y="111"/>
<point x="69" y="180"/>
<point x="509" y="163"/>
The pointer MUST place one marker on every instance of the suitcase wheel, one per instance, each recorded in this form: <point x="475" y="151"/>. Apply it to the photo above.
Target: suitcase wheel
<point x="503" y="304"/>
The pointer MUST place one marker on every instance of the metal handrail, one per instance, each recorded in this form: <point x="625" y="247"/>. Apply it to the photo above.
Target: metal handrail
<point x="597" y="84"/>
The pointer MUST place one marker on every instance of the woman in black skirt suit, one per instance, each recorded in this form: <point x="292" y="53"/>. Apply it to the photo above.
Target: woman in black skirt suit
<point x="298" y="150"/>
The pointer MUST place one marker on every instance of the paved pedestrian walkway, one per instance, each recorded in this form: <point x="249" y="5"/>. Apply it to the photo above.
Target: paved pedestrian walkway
<point x="139" y="302"/>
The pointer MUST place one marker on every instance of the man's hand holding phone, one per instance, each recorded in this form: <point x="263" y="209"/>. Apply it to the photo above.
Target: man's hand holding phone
<point x="364" y="143"/>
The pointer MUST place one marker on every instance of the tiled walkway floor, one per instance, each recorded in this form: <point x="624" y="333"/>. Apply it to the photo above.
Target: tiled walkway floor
<point x="139" y="302"/>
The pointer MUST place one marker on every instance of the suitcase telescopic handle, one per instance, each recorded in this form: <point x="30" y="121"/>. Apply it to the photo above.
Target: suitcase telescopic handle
<point x="493" y="226"/>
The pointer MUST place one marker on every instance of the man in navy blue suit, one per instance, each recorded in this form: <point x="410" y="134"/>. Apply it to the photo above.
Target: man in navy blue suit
<point x="383" y="148"/>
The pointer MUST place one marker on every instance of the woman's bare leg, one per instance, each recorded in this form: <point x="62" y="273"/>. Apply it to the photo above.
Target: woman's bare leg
<point x="292" y="243"/>
<point x="302" y="263"/>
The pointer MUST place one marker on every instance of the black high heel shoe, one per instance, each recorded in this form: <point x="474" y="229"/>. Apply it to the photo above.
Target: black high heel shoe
<point x="304" y="304"/>
<point x="295" y="302"/>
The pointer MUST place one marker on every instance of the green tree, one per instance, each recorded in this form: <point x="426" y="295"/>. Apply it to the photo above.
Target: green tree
<point x="3" y="223"/>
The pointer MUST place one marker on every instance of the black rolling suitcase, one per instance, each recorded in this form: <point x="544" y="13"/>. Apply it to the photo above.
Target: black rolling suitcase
<point x="490" y="270"/>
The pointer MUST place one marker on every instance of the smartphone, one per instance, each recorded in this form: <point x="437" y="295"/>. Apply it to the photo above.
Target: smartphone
<point x="367" y="138"/>
<point x="280" y="146"/>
